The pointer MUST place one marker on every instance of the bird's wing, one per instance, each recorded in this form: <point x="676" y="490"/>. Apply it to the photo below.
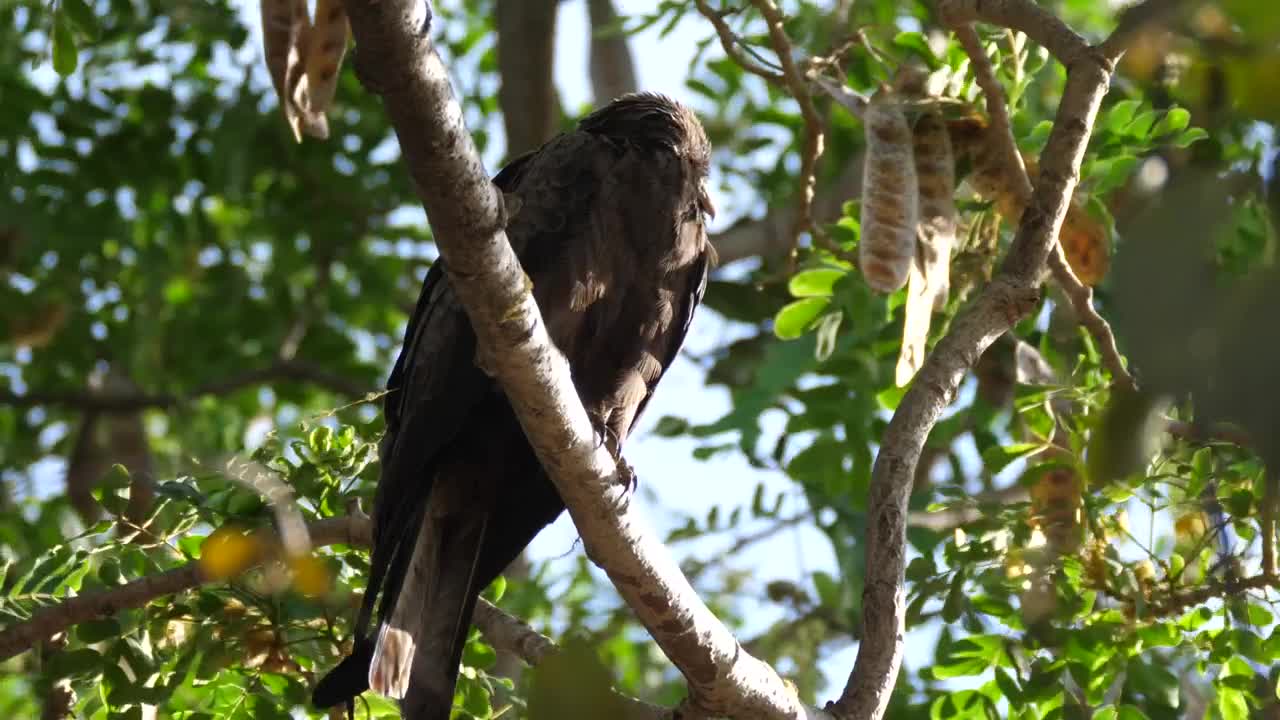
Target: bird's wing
<point x="689" y="302"/>
<point x="433" y="391"/>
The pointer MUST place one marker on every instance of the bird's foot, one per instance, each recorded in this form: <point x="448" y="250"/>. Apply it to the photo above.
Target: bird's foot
<point x="626" y="474"/>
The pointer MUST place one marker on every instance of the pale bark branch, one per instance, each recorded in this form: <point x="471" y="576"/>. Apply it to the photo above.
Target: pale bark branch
<point x="1009" y="297"/>
<point x="613" y="72"/>
<point x="1080" y="295"/>
<point x="467" y="219"/>
<point x="297" y="370"/>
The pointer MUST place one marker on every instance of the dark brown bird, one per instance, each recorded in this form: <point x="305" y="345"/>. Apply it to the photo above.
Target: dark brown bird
<point x="610" y="228"/>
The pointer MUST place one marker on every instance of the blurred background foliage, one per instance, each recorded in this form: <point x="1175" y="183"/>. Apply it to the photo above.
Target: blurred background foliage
<point x="189" y="301"/>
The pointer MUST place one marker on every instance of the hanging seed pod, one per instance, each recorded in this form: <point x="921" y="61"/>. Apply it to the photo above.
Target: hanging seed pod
<point x="324" y="55"/>
<point x="286" y="38"/>
<point x="890" y="207"/>
<point x="929" y="277"/>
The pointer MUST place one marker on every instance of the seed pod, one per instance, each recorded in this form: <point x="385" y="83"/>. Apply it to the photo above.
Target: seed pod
<point x="1083" y="238"/>
<point x="930" y="274"/>
<point x="286" y="37"/>
<point x="890" y="208"/>
<point x="324" y="56"/>
<point x="936" y="175"/>
<point x="1057" y="509"/>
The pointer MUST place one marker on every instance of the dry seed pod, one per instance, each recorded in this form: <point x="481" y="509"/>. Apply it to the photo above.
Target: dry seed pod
<point x="324" y="56"/>
<point x="1057" y="509"/>
<point x="930" y="275"/>
<point x="286" y="36"/>
<point x="1083" y="238"/>
<point x="936" y="176"/>
<point x="890" y="207"/>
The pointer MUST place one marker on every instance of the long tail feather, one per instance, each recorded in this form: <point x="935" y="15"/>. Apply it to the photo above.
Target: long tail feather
<point x="420" y="643"/>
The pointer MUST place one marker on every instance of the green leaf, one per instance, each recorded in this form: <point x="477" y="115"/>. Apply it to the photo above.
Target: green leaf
<point x="1120" y="115"/>
<point x="1174" y="120"/>
<point x="321" y="440"/>
<point x="998" y="457"/>
<point x="96" y="631"/>
<point x="828" y="589"/>
<point x="1112" y="173"/>
<point x="1231" y="704"/>
<point x="82" y="16"/>
<point x="497" y="589"/>
<point x="1189" y="136"/>
<point x="916" y="44"/>
<point x="65" y="56"/>
<point x="793" y="320"/>
<point x="1107" y="713"/>
<point x="1259" y="615"/>
<point x="814" y="283"/>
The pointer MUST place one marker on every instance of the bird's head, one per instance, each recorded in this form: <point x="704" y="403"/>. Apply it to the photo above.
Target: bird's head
<point x="653" y="118"/>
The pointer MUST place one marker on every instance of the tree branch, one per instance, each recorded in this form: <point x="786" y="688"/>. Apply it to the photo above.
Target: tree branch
<point x="467" y="218"/>
<point x="613" y="72"/>
<point x="1080" y="295"/>
<point x="352" y="530"/>
<point x="526" y="61"/>
<point x="298" y="370"/>
<point x="813" y="137"/>
<point x="729" y="41"/>
<point x="1010" y="296"/>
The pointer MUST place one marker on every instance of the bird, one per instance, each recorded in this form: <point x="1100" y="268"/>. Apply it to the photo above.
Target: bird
<point x="610" y="227"/>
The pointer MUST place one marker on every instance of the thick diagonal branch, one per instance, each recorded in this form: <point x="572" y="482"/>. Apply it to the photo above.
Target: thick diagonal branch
<point x="467" y="219"/>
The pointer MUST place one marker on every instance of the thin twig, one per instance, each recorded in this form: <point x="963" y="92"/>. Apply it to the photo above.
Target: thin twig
<point x="813" y="132"/>
<point x="1081" y="297"/>
<point x="1176" y="602"/>
<point x="729" y="41"/>
<point x="698" y="567"/>
<point x="82" y="608"/>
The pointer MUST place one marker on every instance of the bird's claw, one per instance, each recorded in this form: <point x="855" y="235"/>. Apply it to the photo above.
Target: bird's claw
<point x="627" y="474"/>
<point x="609" y="440"/>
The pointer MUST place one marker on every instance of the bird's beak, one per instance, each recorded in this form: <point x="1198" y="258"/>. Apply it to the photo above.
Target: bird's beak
<point x="705" y="204"/>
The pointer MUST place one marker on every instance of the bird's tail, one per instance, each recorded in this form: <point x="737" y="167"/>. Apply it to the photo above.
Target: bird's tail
<point x="420" y="642"/>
